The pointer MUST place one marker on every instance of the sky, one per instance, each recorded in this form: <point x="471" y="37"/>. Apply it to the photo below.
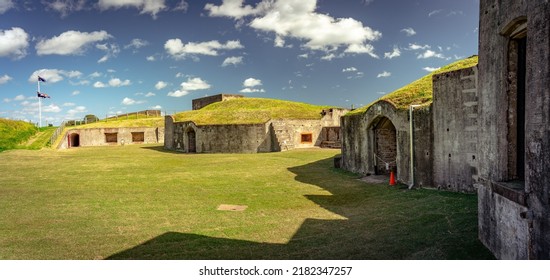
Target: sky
<point x="108" y="57"/>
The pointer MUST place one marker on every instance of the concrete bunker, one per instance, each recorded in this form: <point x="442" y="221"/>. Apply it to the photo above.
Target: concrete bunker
<point x="384" y="134"/>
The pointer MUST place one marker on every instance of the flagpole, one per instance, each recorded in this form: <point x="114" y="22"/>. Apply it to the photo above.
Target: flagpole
<point x="39" y="104"/>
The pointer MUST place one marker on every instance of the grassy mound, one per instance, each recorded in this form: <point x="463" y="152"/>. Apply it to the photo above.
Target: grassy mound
<point x="251" y="111"/>
<point x="130" y="121"/>
<point x="420" y="91"/>
<point x="12" y="133"/>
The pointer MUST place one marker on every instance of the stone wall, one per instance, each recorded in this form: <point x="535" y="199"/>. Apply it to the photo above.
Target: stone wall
<point x="455" y="117"/>
<point x="97" y="136"/>
<point x="502" y="24"/>
<point x="205" y="101"/>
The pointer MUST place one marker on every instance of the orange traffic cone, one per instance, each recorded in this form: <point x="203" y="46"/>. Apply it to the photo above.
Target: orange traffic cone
<point x="392" y="178"/>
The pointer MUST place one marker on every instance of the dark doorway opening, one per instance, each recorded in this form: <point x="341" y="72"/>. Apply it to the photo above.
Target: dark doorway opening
<point x="74" y="140"/>
<point x="385" y="146"/>
<point x="191" y="141"/>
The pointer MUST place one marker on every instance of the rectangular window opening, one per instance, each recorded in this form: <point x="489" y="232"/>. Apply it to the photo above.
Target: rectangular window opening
<point x="111" y="137"/>
<point x="138" y="137"/>
<point x="306" y="138"/>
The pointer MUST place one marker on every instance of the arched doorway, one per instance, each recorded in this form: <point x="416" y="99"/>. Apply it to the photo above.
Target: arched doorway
<point x="74" y="140"/>
<point x="191" y="141"/>
<point x="385" y="146"/>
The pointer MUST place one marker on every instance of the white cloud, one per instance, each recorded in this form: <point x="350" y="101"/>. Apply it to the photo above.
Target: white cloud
<point x="99" y="84"/>
<point x="182" y="6"/>
<point x="152" y="7"/>
<point x="192" y="84"/>
<point x="53" y="75"/>
<point x="252" y="90"/>
<point x="151" y="58"/>
<point x="431" y="69"/>
<point x="19" y="98"/>
<point x="14" y="43"/>
<point x="116" y="82"/>
<point x="430" y="54"/>
<point x="65" y="7"/>
<point x="4" y="79"/>
<point x="76" y="110"/>
<point x="156" y="107"/>
<point x="251" y="82"/>
<point x="435" y="12"/>
<point x="76" y="92"/>
<point x="95" y="75"/>
<point x="68" y="104"/>
<point x="409" y="31"/>
<point x="235" y="9"/>
<point x="349" y="69"/>
<point x="52" y="108"/>
<point x="137" y="44"/>
<point x="232" y="60"/>
<point x="160" y="85"/>
<point x="384" y="74"/>
<point x="149" y="94"/>
<point x="395" y="53"/>
<point x="130" y="101"/>
<point x="415" y="47"/>
<point x="298" y="19"/>
<point x="111" y="50"/>
<point x="178" y="50"/>
<point x="6" y="5"/>
<point x="250" y="86"/>
<point x="70" y="42"/>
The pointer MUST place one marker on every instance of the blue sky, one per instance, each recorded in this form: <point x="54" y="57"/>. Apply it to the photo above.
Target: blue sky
<point x="105" y="57"/>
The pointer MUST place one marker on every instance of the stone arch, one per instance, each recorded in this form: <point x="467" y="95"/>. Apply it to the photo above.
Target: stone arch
<point x="383" y="135"/>
<point x="191" y="140"/>
<point x="74" y="140"/>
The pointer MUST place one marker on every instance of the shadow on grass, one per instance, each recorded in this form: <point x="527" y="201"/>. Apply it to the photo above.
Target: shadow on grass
<point x="381" y="222"/>
<point x="161" y="149"/>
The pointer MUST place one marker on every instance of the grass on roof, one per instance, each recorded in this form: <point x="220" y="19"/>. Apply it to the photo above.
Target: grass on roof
<point x="130" y="121"/>
<point x="251" y="111"/>
<point x="420" y="91"/>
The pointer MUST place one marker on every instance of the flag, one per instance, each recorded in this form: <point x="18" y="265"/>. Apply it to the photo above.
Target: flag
<point x="40" y="79"/>
<point x="42" y="95"/>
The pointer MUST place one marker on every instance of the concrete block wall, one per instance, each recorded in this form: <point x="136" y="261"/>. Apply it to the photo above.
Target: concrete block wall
<point x="96" y="136"/>
<point x="455" y="130"/>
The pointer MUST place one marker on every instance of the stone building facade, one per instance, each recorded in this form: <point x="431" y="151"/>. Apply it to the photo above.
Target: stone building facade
<point x="273" y="136"/>
<point x="514" y="128"/>
<point x="111" y="136"/>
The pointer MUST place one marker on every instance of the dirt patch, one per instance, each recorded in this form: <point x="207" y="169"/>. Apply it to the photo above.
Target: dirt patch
<point x="229" y="207"/>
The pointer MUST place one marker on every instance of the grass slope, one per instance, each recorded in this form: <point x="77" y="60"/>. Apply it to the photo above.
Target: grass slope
<point x="141" y="202"/>
<point x="420" y="91"/>
<point x="250" y="111"/>
<point x="130" y="121"/>
<point x="12" y="133"/>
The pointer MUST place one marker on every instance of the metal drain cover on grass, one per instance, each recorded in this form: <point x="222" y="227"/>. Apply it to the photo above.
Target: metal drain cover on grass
<point x="228" y="207"/>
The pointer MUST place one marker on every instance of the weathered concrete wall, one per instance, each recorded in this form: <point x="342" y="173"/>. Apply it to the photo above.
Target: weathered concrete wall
<point x="273" y="136"/>
<point x="205" y="101"/>
<point x="455" y="116"/>
<point x="499" y="23"/>
<point x="359" y="149"/>
<point x="245" y="138"/>
<point x="96" y="136"/>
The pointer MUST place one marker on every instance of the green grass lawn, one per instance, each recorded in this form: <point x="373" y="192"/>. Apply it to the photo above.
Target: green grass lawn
<point x="141" y="202"/>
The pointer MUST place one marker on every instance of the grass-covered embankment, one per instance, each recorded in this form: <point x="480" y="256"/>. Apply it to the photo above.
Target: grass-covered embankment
<point x="419" y="92"/>
<point x="251" y="111"/>
<point x="13" y="133"/>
